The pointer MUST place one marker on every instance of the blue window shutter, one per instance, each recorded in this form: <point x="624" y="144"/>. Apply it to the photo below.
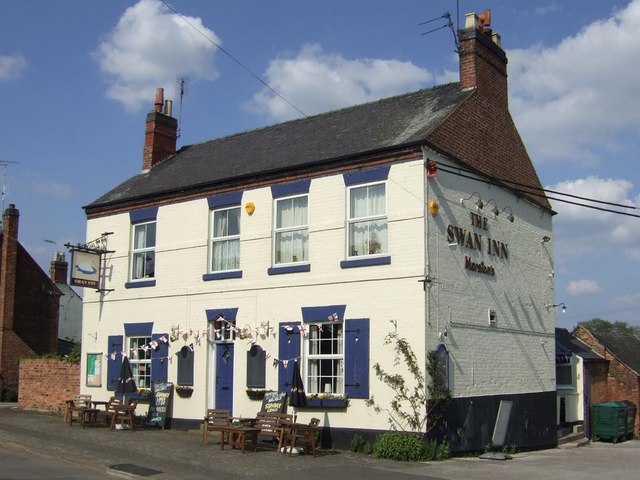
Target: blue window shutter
<point x="288" y="349"/>
<point x="113" y="366"/>
<point x="356" y="358"/>
<point x="159" y="360"/>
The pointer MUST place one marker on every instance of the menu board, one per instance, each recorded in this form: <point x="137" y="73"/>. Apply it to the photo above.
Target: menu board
<point x="274" y="402"/>
<point x="160" y="403"/>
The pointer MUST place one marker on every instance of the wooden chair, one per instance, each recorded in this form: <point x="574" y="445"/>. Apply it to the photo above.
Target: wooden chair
<point x="274" y="426"/>
<point x="304" y="435"/>
<point x="215" y="419"/>
<point x="74" y="406"/>
<point x="123" y="411"/>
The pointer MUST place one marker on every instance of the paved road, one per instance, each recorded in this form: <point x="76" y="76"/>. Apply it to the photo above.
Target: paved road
<point x="176" y="454"/>
<point x="21" y="465"/>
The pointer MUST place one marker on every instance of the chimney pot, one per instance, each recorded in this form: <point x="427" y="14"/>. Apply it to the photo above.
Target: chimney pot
<point x="159" y="99"/>
<point x="161" y="133"/>
<point x="471" y="20"/>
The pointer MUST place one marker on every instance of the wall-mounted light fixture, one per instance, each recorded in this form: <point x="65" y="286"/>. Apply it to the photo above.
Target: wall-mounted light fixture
<point x="555" y="305"/>
<point x="494" y="210"/>
<point x="510" y="216"/>
<point x="479" y="204"/>
<point x="545" y="239"/>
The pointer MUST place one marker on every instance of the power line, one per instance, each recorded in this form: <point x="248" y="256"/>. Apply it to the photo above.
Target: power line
<point x="238" y="62"/>
<point x="533" y="190"/>
<point x="540" y="193"/>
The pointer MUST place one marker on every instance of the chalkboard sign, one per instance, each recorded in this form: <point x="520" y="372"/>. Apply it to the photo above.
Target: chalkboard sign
<point x="160" y="403"/>
<point x="274" y="402"/>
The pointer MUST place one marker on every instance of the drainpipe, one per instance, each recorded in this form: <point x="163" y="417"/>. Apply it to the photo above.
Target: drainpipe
<point x="425" y="214"/>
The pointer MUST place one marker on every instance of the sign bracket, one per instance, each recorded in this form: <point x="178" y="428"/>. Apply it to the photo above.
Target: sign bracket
<point x="97" y="247"/>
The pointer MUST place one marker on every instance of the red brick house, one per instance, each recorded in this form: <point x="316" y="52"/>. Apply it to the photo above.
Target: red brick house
<point x="29" y="303"/>
<point x="623" y="376"/>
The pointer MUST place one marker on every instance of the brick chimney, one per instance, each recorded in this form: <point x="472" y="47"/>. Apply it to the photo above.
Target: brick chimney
<point x="161" y="133"/>
<point x="483" y="63"/>
<point x="58" y="268"/>
<point x="8" y="264"/>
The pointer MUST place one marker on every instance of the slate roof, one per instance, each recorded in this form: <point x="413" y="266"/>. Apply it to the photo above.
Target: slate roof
<point x="565" y="341"/>
<point x="389" y="123"/>
<point x="625" y="347"/>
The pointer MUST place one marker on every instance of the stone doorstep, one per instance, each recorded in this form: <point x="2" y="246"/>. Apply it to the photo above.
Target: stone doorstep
<point x="573" y="440"/>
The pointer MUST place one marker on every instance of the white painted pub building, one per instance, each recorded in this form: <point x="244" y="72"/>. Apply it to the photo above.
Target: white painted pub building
<point x="310" y="240"/>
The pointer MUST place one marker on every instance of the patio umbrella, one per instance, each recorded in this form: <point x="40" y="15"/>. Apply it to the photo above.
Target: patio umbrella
<point x="298" y="397"/>
<point x="126" y="382"/>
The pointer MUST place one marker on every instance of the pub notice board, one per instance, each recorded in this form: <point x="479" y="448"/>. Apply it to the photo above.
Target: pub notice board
<point x="160" y="403"/>
<point x="274" y="402"/>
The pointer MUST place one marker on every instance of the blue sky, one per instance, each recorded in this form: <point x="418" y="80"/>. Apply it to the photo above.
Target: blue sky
<point x="77" y="78"/>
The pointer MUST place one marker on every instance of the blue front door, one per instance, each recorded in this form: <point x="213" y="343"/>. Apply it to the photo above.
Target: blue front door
<point x="224" y="376"/>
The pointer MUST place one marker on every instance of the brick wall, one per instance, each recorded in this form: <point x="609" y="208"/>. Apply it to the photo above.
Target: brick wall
<point x="621" y="382"/>
<point x="46" y="383"/>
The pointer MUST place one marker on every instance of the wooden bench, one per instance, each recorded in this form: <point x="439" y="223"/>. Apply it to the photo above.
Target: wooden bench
<point x="273" y="426"/>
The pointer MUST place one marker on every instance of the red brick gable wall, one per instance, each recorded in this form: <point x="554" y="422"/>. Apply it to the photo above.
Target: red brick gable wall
<point x="37" y="306"/>
<point x="484" y="136"/>
<point x="622" y="383"/>
<point x="45" y="384"/>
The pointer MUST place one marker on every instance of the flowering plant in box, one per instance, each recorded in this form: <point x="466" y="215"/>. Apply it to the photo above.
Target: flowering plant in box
<point x="327" y="396"/>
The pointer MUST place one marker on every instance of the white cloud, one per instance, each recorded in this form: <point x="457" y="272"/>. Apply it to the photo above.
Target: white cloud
<point x="630" y="299"/>
<point x="11" y="66"/>
<point x="587" y="84"/>
<point x="582" y="287"/>
<point x="546" y="9"/>
<point x="633" y="253"/>
<point x="51" y="189"/>
<point x="151" y="47"/>
<point x="316" y="81"/>
<point x="580" y="230"/>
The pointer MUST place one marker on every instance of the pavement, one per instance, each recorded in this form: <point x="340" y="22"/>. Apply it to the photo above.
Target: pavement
<point x="162" y="454"/>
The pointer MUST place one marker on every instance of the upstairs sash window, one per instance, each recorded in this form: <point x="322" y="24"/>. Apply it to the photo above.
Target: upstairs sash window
<point x="367" y="220"/>
<point x="143" y="253"/>
<point x="291" y="230"/>
<point x="225" y="239"/>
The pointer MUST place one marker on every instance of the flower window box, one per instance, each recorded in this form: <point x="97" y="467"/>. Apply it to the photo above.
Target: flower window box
<point x="325" y="400"/>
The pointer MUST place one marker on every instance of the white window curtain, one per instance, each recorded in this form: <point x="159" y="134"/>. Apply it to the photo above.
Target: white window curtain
<point x="367" y="220"/>
<point x="225" y="247"/>
<point x="325" y="359"/>
<point x="291" y="231"/>
<point x="143" y="254"/>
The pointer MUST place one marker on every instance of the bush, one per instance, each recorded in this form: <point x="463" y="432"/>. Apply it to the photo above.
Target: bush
<point x="8" y="395"/>
<point x="443" y="451"/>
<point x="400" y="446"/>
<point x="360" y="445"/>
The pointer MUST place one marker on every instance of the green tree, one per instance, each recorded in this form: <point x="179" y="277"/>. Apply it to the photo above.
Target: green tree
<point x="599" y="325"/>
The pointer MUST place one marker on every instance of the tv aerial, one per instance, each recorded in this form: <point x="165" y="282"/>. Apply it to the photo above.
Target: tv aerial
<point x="446" y="16"/>
<point x="4" y="164"/>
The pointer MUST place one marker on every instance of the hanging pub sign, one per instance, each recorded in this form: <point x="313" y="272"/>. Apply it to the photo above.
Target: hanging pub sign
<point x="85" y="269"/>
<point x="86" y="262"/>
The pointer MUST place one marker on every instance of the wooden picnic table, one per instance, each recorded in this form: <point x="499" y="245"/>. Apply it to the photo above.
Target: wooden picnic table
<point x="86" y="415"/>
<point x="236" y="436"/>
